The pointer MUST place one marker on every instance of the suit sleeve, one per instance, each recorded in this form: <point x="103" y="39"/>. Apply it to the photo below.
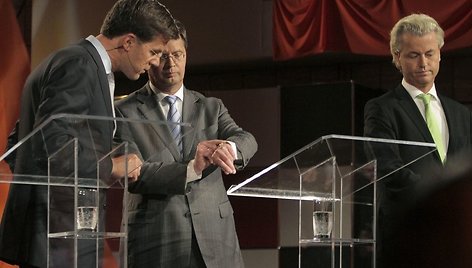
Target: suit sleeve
<point x="161" y="174"/>
<point x="228" y="130"/>
<point x="380" y="123"/>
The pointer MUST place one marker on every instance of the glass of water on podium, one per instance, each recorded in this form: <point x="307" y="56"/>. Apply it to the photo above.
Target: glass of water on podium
<point x="322" y="218"/>
<point x="87" y="209"/>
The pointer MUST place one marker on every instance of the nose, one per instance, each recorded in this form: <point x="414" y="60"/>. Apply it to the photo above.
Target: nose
<point x="171" y="63"/>
<point x="168" y="62"/>
<point x="154" y="62"/>
<point x="422" y="62"/>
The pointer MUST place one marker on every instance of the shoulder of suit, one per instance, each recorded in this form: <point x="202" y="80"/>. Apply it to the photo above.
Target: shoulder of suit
<point x="386" y="97"/>
<point x="138" y="96"/>
<point x="74" y="54"/>
<point x="194" y="93"/>
<point x="82" y="48"/>
<point x="200" y="97"/>
<point x="453" y="104"/>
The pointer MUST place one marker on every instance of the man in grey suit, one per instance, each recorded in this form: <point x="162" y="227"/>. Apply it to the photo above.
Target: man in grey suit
<point x="179" y="213"/>
<point x="77" y="80"/>
<point x="401" y="114"/>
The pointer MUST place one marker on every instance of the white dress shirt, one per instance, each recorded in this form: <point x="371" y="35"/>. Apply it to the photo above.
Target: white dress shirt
<point x="435" y="106"/>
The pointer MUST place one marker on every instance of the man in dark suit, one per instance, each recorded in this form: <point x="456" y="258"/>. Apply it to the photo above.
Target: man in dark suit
<point x="77" y="80"/>
<point x="403" y="114"/>
<point x="179" y="213"/>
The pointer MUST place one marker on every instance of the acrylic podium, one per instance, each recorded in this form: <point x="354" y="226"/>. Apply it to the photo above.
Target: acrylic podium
<point x="67" y="168"/>
<point x="334" y="179"/>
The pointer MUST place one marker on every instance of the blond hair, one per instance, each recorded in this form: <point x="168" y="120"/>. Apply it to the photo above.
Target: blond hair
<point x="415" y="24"/>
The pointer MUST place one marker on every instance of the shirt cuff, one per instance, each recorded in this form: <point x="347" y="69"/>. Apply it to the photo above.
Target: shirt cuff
<point x="235" y="150"/>
<point x="191" y="174"/>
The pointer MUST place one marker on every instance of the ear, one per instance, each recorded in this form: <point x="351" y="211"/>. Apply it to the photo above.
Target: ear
<point x="128" y="41"/>
<point x="396" y="61"/>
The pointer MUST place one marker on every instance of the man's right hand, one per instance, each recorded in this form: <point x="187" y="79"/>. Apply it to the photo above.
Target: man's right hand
<point x="119" y="167"/>
<point x="216" y="152"/>
<point x="202" y="156"/>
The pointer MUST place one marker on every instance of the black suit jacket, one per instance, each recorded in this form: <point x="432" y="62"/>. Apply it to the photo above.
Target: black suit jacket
<point x="395" y="115"/>
<point x="73" y="81"/>
<point x="164" y="211"/>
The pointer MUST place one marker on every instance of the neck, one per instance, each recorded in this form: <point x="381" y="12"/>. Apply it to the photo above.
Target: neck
<point x="171" y="90"/>
<point x="112" y="47"/>
<point x="425" y="89"/>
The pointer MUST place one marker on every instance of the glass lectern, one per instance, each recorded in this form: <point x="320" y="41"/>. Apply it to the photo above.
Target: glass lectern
<point x="334" y="179"/>
<point x="65" y="173"/>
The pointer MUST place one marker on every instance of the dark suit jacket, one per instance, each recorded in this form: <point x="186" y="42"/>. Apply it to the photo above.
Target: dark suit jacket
<point x="395" y="115"/>
<point x="72" y="80"/>
<point x="162" y="208"/>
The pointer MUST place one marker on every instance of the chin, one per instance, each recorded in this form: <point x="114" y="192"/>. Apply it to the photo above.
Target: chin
<point x="134" y="76"/>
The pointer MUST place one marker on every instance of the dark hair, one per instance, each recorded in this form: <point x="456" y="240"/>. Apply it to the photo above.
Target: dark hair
<point x="144" y="18"/>
<point x="182" y="33"/>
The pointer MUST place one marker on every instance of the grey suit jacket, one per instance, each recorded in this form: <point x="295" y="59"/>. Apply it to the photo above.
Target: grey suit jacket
<point x="72" y="80"/>
<point x="163" y="208"/>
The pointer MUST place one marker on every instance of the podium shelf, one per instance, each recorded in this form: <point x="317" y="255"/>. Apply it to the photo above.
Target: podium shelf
<point x="87" y="235"/>
<point x="336" y="242"/>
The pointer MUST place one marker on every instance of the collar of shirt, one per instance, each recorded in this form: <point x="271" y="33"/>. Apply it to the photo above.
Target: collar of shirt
<point x="164" y="104"/>
<point x="160" y="95"/>
<point x="102" y="52"/>
<point x="414" y="92"/>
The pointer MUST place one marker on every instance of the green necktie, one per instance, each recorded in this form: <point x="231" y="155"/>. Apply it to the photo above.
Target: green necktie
<point x="433" y="125"/>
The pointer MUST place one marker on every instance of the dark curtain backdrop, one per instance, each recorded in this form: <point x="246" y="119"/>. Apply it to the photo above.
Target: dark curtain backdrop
<point x="308" y="27"/>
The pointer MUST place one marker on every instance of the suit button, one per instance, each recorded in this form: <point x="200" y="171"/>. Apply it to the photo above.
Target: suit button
<point x="187" y="215"/>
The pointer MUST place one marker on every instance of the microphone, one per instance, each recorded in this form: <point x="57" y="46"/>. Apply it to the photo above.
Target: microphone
<point x="115" y="48"/>
<point x="129" y="60"/>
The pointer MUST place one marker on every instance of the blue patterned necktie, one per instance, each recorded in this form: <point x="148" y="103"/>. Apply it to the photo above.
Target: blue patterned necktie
<point x="174" y="116"/>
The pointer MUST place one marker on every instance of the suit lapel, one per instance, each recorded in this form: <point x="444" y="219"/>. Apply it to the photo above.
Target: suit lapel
<point x="451" y="121"/>
<point x="407" y="103"/>
<point x="409" y="106"/>
<point x="102" y="77"/>
<point x="191" y="112"/>
<point x="150" y="110"/>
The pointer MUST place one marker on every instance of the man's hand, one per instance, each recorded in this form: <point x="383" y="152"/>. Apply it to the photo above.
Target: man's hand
<point x="215" y="152"/>
<point x="134" y="167"/>
<point x="202" y="156"/>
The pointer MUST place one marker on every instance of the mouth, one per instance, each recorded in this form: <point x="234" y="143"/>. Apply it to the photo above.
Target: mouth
<point x="423" y="73"/>
<point x="169" y="74"/>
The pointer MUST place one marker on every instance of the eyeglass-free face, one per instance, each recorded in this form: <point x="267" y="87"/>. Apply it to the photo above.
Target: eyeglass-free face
<point x="419" y="59"/>
<point x="138" y="57"/>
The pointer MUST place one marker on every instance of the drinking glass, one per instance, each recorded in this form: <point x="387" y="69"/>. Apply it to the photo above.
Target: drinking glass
<point x="87" y="209"/>
<point x="322" y="219"/>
